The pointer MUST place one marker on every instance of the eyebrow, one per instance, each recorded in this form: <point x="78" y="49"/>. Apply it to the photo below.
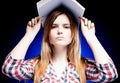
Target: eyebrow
<point x="63" y="24"/>
<point x="66" y="24"/>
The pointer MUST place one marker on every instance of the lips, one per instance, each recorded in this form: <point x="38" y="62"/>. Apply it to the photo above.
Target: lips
<point x="59" y="38"/>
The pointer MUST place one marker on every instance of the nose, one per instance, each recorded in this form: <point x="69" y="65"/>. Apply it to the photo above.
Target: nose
<point x="59" y="31"/>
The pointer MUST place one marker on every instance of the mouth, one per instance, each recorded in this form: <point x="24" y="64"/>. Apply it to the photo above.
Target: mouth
<point x="60" y="38"/>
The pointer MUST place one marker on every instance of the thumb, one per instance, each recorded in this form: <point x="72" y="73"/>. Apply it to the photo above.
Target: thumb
<point x="39" y="19"/>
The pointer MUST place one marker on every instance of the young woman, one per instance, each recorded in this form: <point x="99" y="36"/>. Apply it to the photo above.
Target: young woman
<point x="60" y="60"/>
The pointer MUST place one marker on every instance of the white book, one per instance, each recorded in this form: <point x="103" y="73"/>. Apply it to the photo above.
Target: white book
<point x="44" y="7"/>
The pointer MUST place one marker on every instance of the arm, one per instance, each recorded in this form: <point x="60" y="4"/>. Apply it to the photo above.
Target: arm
<point x="18" y="68"/>
<point x="88" y="30"/>
<point x="14" y="65"/>
<point x="32" y="29"/>
<point x="100" y="73"/>
<point x="104" y="65"/>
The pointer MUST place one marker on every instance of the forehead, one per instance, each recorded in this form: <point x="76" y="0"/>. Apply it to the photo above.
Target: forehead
<point x="62" y="19"/>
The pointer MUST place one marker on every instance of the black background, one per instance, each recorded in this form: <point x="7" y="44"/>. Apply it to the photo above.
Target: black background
<point x="14" y="15"/>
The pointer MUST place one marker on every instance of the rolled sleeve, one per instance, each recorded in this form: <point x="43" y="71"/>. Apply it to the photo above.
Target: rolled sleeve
<point x="101" y="73"/>
<point x="18" y="68"/>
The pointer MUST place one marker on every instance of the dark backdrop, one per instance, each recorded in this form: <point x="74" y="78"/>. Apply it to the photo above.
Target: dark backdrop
<point x="15" y="14"/>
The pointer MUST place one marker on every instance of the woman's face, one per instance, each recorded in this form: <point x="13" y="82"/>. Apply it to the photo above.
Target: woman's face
<point x="60" y="33"/>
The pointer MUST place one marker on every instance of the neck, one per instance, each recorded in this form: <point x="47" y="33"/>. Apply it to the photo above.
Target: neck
<point x="60" y="54"/>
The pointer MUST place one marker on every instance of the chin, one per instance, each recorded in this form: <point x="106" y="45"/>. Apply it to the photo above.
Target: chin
<point x="62" y="44"/>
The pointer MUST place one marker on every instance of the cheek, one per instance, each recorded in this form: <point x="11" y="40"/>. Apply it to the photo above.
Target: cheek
<point x="68" y="36"/>
<point x="51" y="38"/>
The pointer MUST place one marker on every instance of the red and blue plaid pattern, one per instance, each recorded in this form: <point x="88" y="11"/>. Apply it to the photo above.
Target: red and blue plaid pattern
<point x="24" y="69"/>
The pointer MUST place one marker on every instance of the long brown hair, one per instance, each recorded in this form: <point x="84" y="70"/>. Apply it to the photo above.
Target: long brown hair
<point x="74" y="48"/>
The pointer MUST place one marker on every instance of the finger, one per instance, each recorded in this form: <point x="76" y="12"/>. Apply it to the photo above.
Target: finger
<point x="29" y="24"/>
<point x="89" y="24"/>
<point x="82" y="20"/>
<point x="92" y="25"/>
<point x="39" y="19"/>
<point x="35" y="21"/>
<point x="86" y="22"/>
<point x="32" y="22"/>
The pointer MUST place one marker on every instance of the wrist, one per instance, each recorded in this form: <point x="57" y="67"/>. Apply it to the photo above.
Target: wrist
<point x="29" y="37"/>
<point x="92" y="39"/>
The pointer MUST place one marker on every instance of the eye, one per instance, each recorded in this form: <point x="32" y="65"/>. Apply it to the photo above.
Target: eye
<point x="54" y="26"/>
<point x="67" y="26"/>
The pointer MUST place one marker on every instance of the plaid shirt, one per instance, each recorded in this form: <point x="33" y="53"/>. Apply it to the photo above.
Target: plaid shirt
<point x="24" y="69"/>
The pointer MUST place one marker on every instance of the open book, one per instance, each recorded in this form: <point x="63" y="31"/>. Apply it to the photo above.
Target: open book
<point x="44" y="7"/>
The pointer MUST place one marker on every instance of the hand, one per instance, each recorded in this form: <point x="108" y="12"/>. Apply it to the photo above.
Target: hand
<point x="34" y="26"/>
<point x="87" y="28"/>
